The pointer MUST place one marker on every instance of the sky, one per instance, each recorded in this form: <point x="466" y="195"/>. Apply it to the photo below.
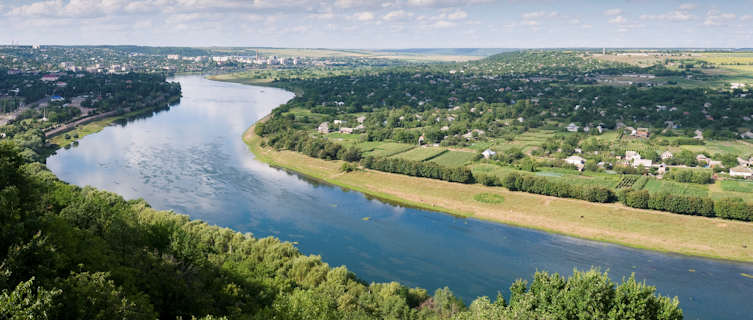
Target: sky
<point x="387" y="24"/>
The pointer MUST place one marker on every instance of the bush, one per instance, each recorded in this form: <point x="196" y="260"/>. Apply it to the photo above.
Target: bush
<point x="690" y="176"/>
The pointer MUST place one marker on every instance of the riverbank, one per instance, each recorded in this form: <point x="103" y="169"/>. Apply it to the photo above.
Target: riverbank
<point x="614" y="223"/>
<point x="94" y="126"/>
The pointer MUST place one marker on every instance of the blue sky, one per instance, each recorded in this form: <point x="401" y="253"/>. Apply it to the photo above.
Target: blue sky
<point x="381" y="24"/>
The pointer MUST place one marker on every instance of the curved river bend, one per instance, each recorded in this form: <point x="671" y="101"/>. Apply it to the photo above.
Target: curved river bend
<point x="191" y="159"/>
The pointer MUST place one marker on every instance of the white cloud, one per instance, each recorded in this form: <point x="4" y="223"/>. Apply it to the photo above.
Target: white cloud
<point x="397" y="15"/>
<point x="322" y="16"/>
<point x="539" y="14"/>
<point x="574" y="21"/>
<point x="442" y="24"/>
<point x="364" y="16"/>
<point x="688" y="6"/>
<point x="676" y="15"/>
<point x="613" y="12"/>
<point x="618" y="20"/>
<point x="530" y="23"/>
<point x="715" y="18"/>
<point x="457" y="15"/>
<point x="746" y="17"/>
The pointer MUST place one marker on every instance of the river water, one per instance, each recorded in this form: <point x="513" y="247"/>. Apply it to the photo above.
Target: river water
<point x="191" y="159"/>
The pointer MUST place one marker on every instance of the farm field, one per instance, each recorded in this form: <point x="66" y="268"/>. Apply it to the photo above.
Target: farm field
<point x="383" y="149"/>
<point x="454" y="158"/>
<point x="676" y="188"/>
<point x="420" y="154"/>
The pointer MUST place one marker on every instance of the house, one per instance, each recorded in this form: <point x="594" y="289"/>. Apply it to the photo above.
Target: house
<point x="642" y="162"/>
<point x="662" y="169"/>
<point x="630" y="156"/>
<point x="346" y="130"/>
<point x="421" y="140"/>
<point x="741" y="171"/>
<point x="577" y="161"/>
<point x="666" y="155"/>
<point x="715" y="164"/>
<point x="324" y="127"/>
<point x="488" y="153"/>
<point x="702" y="158"/>
<point x="57" y="99"/>
<point x="361" y="119"/>
<point x="642" y="133"/>
<point x="698" y="135"/>
<point x="572" y="127"/>
<point x="337" y="122"/>
<point x="743" y="162"/>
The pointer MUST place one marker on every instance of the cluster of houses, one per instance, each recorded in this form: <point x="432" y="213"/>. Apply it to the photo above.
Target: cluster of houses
<point x="324" y="127"/>
<point x="634" y="159"/>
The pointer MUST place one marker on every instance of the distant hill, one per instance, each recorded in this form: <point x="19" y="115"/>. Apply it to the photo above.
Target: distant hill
<point x="480" y="52"/>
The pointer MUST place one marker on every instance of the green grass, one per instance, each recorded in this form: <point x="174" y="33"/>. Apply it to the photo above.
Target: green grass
<point x="454" y="158"/>
<point x="737" y="186"/>
<point x="489" y="198"/>
<point x="676" y="188"/>
<point x="421" y="154"/>
<point x="383" y="149"/>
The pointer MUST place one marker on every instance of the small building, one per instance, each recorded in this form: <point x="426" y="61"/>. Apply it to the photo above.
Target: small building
<point x="642" y="162"/>
<point x="702" y="158"/>
<point x="577" y="161"/>
<point x="324" y="127"/>
<point x="57" y="99"/>
<point x="631" y="156"/>
<point x="488" y="153"/>
<point x="741" y="171"/>
<point x="361" y="119"/>
<point x="337" y="122"/>
<point x="346" y="130"/>
<point x="666" y="155"/>
<point x="572" y="127"/>
<point x="641" y="133"/>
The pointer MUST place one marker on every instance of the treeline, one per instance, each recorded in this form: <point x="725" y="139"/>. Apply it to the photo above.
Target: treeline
<point x="541" y="185"/>
<point x="80" y="253"/>
<point x="301" y="142"/>
<point x="729" y="208"/>
<point x="426" y="169"/>
<point x="690" y="176"/>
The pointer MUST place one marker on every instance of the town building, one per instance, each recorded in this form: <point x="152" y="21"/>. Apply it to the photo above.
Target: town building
<point x="323" y="127"/>
<point x="741" y="171"/>
<point x="488" y="153"/>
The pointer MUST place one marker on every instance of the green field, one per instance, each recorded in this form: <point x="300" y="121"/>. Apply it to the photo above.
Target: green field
<point x="737" y="186"/>
<point x="421" y="154"/>
<point x="383" y="149"/>
<point x="454" y="158"/>
<point x="676" y="188"/>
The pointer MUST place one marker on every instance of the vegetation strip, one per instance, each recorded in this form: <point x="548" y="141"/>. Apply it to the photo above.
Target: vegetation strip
<point x="698" y="236"/>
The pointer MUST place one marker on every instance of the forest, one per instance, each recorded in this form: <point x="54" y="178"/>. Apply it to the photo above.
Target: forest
<point x="81" y="253"/>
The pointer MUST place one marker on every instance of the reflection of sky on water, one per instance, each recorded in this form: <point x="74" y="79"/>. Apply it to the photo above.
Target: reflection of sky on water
<point x="192" y="160"/>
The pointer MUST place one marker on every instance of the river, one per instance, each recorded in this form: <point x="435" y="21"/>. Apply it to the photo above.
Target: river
<point x="191" y="159"/>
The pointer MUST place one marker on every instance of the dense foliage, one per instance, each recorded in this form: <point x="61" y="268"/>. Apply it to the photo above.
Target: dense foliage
<point x="419" y="169"/>
<point x="541" y="185"/>
<point x="727" y="208"/>
<point x="80" y="253"/>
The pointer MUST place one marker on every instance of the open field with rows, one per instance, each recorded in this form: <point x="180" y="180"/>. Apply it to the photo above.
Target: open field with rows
<point x="454" y="158"/>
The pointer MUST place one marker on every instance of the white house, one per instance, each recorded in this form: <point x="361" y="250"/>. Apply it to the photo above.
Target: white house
<point x="488" y="153"/>
<point x="346" y="130"/>
<point x="337" y="122"/>
<point x="324" y="127"/>
<point x="576" y="161"/>
<point x="741" y="171"/>
<point x="666" y="155"/>
<point x="642" y="162"/>
<point x="631" y="156"/>
<point x="361" y="119"/>
<point x="572" y="127"/>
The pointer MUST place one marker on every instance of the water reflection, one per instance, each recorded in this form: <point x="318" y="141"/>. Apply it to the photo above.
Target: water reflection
<point x="192" y="160"/>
